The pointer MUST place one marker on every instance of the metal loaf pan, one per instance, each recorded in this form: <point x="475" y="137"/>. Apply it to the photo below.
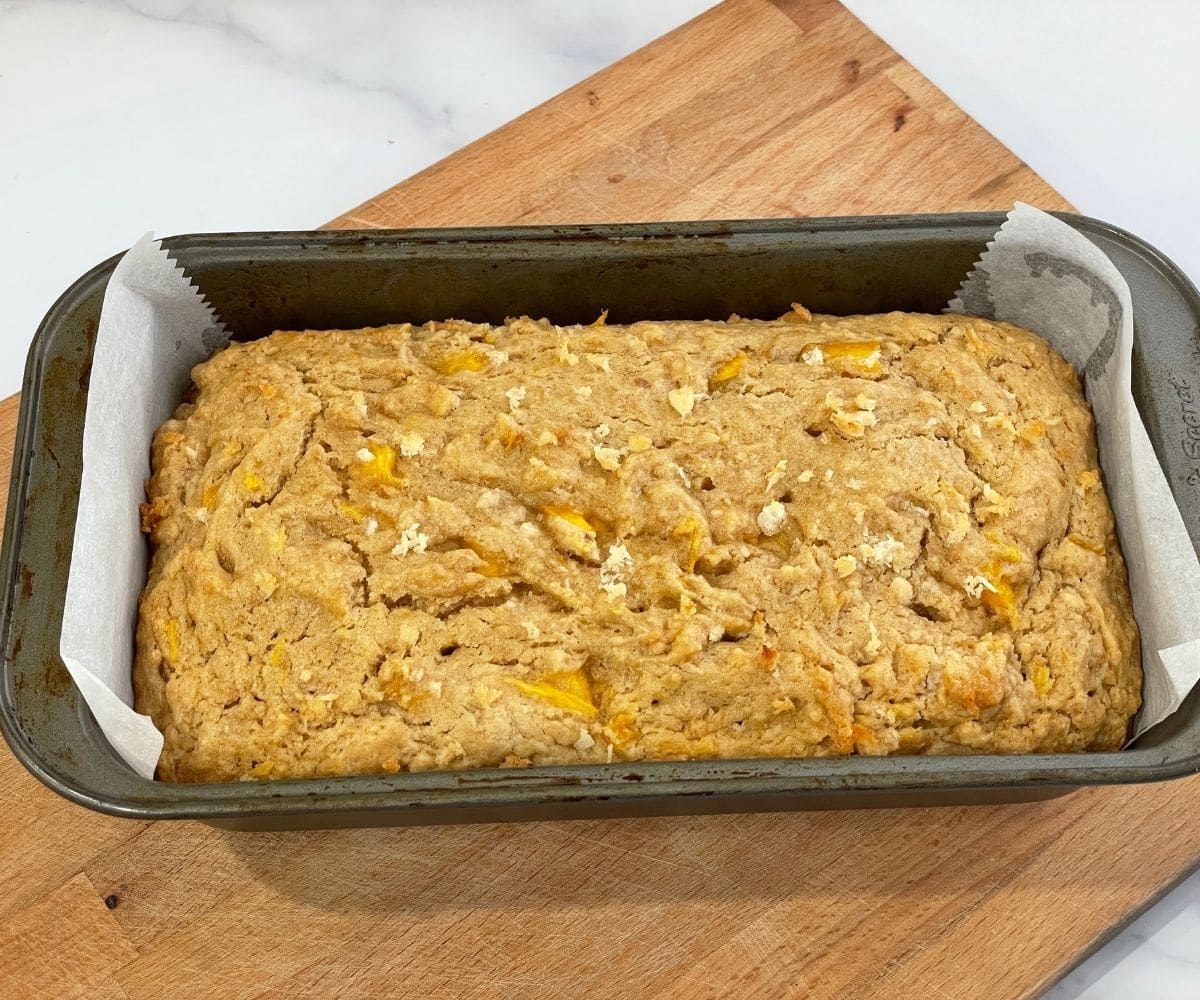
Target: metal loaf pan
<point x="260" y="282"/>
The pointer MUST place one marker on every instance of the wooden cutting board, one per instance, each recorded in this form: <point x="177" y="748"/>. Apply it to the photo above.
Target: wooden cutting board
<point x="753" y="109"/>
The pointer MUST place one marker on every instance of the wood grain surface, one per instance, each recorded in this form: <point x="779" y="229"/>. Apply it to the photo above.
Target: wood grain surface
<point x="753" y="109"/>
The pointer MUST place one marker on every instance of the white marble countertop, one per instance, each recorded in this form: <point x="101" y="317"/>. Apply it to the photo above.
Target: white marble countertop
<point x="195" y="115"/>
<point x="207" y="115"/>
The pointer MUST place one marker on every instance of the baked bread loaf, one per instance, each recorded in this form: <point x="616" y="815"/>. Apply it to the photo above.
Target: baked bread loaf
<point x="462" y="545"/>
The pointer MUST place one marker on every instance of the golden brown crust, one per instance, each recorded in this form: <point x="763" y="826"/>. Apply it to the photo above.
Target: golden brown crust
<point x="460" y="545"/>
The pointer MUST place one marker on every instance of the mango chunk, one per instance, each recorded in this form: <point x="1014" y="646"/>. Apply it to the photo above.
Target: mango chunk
<point x="621" y="728"/>
<point x="507" y="431"/>
<point x="997" y="592"/>
<point x="461" y="361"/>
<point x="671" y="745"/>
<point x="1000" y="597"/>
<point x="864" y="353"/>
<point x="1002" y="600"/>
<point x="275" y="657"/>
<point x="1041" y="678"/>
<point x="572" y="531"/>
<point x="565" y="689"/>
<point x="730" y="370"/>
<point x="1085" y="543"/>
<point x="172" y="635"/>
<point x="691" y="529"/>
<point x="570" y="516"/>
<point x="1035" y="430"/>
<point x="352" y="512"/>
<point x="493" y="562"/>
<point x="380" y="468"/>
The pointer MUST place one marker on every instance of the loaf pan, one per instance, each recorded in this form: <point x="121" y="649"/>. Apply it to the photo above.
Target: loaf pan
<point x="260" y="282"/>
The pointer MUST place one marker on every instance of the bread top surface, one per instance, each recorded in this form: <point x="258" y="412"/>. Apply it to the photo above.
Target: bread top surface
<point x="462" y="545"/>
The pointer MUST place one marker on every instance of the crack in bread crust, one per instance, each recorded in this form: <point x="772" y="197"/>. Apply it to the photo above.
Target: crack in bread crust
<point x="462" y="545"/>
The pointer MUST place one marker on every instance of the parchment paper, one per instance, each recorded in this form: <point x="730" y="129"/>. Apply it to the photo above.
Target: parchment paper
<point x="1038" y="273"/>
<point x="154" y="326"/>
<point x="1041" y="274"/>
